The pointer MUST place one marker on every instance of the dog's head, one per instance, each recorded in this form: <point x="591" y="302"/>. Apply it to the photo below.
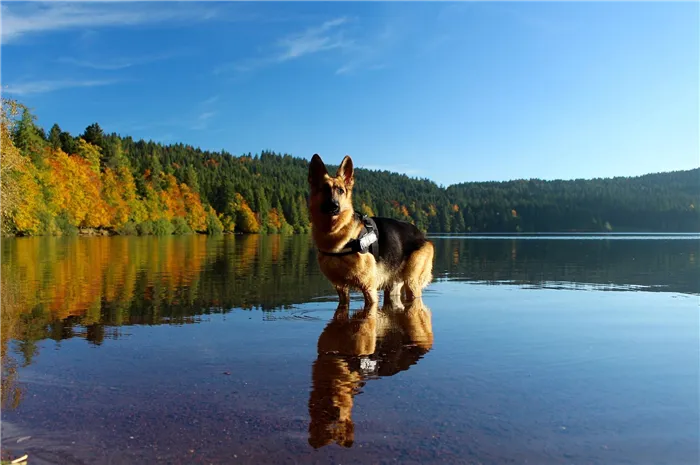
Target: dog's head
<point x="331" y="195"/>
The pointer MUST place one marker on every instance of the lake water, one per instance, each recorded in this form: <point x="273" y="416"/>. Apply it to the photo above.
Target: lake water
<point x="547" y="350"/>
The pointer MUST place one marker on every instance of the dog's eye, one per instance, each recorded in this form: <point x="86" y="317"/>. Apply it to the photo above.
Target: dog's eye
<point x="341" y="191"/>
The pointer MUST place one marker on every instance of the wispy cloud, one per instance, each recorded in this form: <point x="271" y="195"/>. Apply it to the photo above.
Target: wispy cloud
<point x="118" y="63"/>
<point x="376" y="48"/>
<point x="197" y="120"/>
<point x="40" y="87"/>
<point x="21" y="19"/>
<point x="355" y="46"/>
<point x="327" y="36"/>
<point x="202" y="121"/>
<point x="313" y="40"/>
<point x="211" y="100"/>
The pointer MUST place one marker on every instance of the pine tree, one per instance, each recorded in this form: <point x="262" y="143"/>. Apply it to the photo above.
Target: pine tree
<point x="55" y="137"/>
<point x="28" y="140"/>
<point x="191" y="179"/>
<point x="93" y="135"/>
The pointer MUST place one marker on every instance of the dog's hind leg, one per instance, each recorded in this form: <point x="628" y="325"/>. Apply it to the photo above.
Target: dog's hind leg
<point x="393" y="292"/>
<point x="371" y="297"/>
<point x="418" y="271"/>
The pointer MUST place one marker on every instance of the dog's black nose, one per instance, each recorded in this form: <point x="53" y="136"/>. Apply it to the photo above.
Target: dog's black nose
<point x="335" y="203"/>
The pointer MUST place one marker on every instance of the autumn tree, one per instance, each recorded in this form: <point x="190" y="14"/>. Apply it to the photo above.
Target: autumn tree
<point x="11" y="162"/>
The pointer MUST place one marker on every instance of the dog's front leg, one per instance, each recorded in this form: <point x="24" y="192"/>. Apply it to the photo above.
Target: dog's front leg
<point x="343" y="295"/>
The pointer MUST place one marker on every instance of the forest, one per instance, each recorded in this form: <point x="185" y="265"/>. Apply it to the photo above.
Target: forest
<point x="57" y="183"/>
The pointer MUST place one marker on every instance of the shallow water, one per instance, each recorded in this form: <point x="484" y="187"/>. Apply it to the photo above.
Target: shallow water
<point x="204" y="350"/>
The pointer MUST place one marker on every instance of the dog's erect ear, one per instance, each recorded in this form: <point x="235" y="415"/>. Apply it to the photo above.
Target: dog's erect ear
<point x="347" y="172"/>
<point x="317" y="170"/>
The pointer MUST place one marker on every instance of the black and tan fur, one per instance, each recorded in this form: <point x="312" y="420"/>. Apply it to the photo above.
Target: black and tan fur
<point x="395" y="338"/>
<point x="405" y="258"/>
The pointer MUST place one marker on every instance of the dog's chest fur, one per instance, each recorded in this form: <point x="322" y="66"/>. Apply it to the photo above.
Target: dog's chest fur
<point x="353" y="270"/>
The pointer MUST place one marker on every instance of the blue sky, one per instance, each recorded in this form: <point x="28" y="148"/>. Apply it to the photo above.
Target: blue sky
<point x="449" y="91"/>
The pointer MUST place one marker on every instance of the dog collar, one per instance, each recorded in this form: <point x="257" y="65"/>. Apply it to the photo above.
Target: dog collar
<point x="367" y="241"/>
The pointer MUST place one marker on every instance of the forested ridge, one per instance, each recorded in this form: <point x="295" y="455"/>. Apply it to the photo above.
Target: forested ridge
<point x="57" y="183"/>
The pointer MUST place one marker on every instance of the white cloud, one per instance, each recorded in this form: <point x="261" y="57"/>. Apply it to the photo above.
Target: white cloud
<point x="20" y="19"/>
<point x="327" y="36"/>
<point x="357" y="48"/>
<point x="313" y="40"/>
<point x="370" y="53"/>
<point x="202" y="121"/>
<point x="39" y="87"/>
<point x="211" y="100"/>
<point x="117" y="63"/>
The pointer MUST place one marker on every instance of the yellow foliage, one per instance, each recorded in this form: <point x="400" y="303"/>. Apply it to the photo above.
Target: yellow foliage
<point x="76" y="189"/>
<point x="91" y="153"/>
<point x="13" y="166"/>
<point x="366" y="210"/>
<point x="247" y="222"/>
<point x="25" y="212"/>
<point x="107" y="269"/>
<point x="195" y="215"/>
<point x="119" y="193"/>
<point x="227" y="222"/>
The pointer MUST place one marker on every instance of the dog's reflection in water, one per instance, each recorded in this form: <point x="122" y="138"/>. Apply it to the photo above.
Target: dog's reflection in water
<point x="358" y="347"/>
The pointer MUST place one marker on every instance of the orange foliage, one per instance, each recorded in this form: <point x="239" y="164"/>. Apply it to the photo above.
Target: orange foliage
<point x="75" y="189"/>
<point x="274" y="220"/>
<point x="171" y="198"/>
<point x="247" y="221"/>
<point x="106" y="270"/>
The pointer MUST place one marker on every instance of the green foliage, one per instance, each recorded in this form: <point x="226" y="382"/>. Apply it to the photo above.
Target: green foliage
<point x="141" y="182"/>
<point x="128" y="229"/>
<point x="214" y="226"/>
<point x="180" y="226"/>
<point x="286" y="229"/>
<point x="162" y="227"/>
<point x="65" y="226"/>
<point x="654" y="202"/>
<point x="145" y="228"/>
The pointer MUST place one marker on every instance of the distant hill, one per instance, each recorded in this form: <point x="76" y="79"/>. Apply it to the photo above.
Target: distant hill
<point x="57" y="183"/>
<point x="653" y="202"/>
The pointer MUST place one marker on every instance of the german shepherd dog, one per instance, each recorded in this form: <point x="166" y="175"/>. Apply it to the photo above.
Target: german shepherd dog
<point x="402" y="257"/>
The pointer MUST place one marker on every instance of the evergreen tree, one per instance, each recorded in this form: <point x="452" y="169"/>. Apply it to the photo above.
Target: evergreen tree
<point x="55" y="137"/>
<point x="28" y="139"/>
<point x="93" y="135"/>
<point x="191" y="178"/>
